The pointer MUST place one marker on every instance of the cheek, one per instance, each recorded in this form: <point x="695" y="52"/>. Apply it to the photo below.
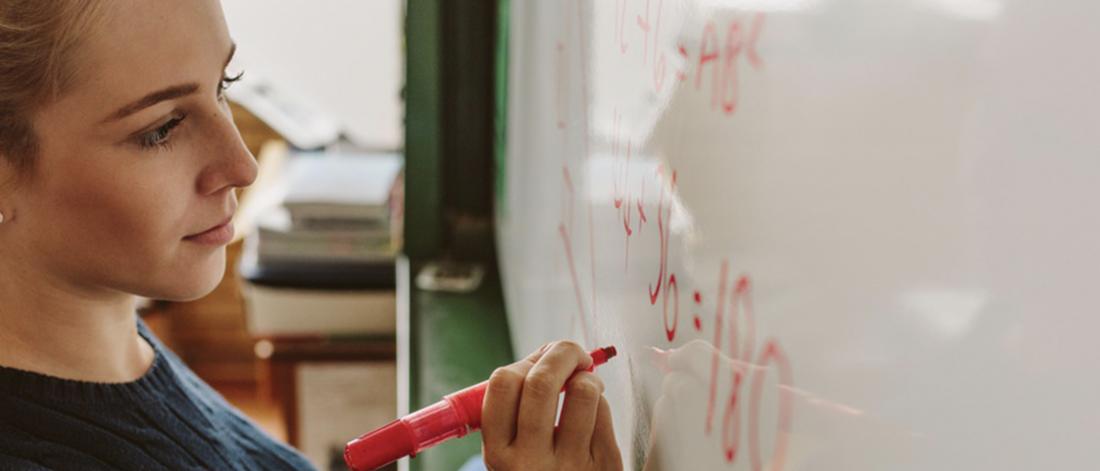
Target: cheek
<point x="121" y="217"/>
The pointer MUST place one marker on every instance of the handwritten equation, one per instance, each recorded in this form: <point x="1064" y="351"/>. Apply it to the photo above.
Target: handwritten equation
<point x="711" y="65"/>
<point x="733" y="324"/>
<point x="722" y="46"/>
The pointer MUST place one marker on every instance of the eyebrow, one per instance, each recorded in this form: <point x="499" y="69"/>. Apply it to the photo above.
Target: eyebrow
<point x="170" y="93"/>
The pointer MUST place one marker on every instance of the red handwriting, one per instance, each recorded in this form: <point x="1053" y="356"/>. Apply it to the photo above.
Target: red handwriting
<point x="698" y="321"/>
<point x="740" y="303"/>
<point x="721" y="47"/>
<point x="670" y="330"/>
<point x="565" y="226"/>
<point x="622" y="196"/>
<point x="643" y="24"/>
<point x="620" y="25"/>
<point x="772" y="354"/>
<point x="718" y="316"/>
<point x="664" y="214"/>
<point x="742" y="332"/>
<point x="714" y="67"/>
<point x="707" y="54"/>
<point x="651" y="26"/>
<point x="567" y="243"/>
<point x="722" y="58"/>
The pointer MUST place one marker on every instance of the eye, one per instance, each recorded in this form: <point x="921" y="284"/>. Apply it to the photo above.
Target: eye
<point x="159" y="137"/>
<point x="227" y="82"/>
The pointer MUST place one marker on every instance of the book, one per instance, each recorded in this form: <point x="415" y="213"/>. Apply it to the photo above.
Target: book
<point x="294" y="312"/>
<point x="341" y="191"/>
<point x="334" y="274"/>
<point x="277" y="240"/>
<point x="318" y="299"/>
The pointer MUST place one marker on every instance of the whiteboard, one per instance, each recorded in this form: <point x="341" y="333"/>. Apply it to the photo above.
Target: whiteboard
<point x="827" y="234"/>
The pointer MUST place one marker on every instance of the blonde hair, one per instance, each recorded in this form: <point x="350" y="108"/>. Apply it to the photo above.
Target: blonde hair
<point x="37" y="43"/>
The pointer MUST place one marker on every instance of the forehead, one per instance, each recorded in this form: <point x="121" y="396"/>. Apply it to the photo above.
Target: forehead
<point x="137" y="46"/>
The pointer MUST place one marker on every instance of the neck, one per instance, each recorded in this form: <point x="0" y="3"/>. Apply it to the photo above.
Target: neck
<point x="51" y="327"/>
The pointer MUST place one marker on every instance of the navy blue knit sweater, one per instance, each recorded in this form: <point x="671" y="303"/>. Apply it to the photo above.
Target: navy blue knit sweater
<point x="167" y="419"/>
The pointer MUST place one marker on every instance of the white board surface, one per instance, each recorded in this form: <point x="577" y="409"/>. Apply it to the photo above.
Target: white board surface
<point x="882" y="218"/>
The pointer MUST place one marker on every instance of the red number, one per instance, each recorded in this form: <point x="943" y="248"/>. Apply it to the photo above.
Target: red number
<point x="670" y="331"/>
<point x="741" y="309"/>
<point x="707" y="55"/>
<point x="741" y="303"/>
<point x="659" y="60"/>
<point x="716" y="357"/>
<point x="731" y="422"/>
<point x="773" y="353"/>
<point x="728" y="88"/>
<point x="663" y="233"/>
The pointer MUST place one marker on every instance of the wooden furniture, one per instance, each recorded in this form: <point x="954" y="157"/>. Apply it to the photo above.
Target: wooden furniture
<point x="280" y="359"/>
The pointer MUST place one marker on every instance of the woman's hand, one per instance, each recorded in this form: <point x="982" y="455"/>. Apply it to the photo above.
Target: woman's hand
<point x="520" y="407"/>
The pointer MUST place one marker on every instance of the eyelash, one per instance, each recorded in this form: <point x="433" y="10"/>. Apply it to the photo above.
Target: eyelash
<point x="159" y="137"/>
<point x="227" y="82"/>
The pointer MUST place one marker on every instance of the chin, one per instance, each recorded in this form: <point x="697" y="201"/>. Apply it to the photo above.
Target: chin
<point x="195" y="282"/>
<point x="191" y="291"/>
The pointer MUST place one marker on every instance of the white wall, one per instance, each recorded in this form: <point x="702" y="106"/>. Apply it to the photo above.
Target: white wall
<point x="344" y="56"/>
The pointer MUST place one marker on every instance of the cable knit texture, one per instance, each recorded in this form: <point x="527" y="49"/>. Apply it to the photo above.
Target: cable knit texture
<point x="167" y="419"/>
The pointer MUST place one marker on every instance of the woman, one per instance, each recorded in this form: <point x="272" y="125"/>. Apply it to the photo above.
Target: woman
<point x="118" y="161"/>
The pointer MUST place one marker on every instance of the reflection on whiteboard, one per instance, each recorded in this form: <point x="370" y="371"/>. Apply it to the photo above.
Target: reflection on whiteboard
<point x="826" y="234"/>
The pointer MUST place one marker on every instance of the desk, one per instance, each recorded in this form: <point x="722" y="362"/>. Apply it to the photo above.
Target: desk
<point x="280" y="359"/>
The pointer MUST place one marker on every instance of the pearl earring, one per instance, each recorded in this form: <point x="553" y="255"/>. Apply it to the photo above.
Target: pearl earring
<point x="1" y="218"/>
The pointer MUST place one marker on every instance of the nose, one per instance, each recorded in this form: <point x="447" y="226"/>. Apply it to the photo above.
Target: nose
<point x="230" y="163"/>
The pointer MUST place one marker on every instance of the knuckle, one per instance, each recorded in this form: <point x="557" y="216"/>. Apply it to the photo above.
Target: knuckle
<point x="569" y="345"/>
<point x="508" y="459"/>
<point x="540" y="385"/>
<point x="504" y="378"/>
<point x="587" y="386"/>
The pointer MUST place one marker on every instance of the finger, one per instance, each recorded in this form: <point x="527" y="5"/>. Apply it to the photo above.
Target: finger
<point x="538" y="404"/>
<point x="604" y="447"/>
<point x="578" y="416"/>
<point x="501" y="405"/>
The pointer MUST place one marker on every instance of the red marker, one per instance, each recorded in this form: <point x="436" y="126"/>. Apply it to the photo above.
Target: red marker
<point x="455" y="416"/>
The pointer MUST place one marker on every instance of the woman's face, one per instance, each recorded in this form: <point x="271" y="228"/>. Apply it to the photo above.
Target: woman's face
<point x="139" y="155"/>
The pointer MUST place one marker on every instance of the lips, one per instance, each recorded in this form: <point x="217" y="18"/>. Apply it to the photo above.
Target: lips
<point x="211" y="228"/>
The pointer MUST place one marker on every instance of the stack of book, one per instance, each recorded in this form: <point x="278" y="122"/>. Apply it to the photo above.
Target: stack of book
<point x="321" y="262"/>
